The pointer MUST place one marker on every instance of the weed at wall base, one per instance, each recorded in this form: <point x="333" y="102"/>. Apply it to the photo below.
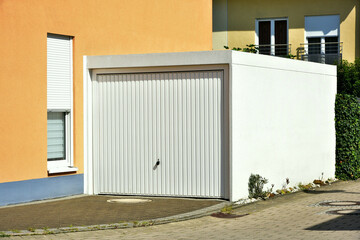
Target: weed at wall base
<point x="256" y="185"/>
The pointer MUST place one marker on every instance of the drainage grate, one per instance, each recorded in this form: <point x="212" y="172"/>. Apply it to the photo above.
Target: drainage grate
<point x="339" y="204"/>
<point x="227" y="215"/>
<point x="345" y="212"/>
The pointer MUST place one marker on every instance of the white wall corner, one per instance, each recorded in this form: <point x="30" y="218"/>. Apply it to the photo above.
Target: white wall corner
<point x="88" y="189"/>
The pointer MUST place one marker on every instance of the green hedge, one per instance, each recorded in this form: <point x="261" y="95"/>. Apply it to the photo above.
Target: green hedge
<point x="347" y="124"/>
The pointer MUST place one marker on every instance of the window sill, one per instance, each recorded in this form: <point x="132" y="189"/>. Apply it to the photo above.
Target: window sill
<point x="55" y="170"/>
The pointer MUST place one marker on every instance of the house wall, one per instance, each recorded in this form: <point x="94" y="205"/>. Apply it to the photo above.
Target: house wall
<point x="282" y="121"/>
<point x="220" y="24"/>
<point x="98" y="27"/>
<point x="241" y="16"/>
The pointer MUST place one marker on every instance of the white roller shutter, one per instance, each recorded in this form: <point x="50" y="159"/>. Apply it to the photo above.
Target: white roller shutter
<point x="173" y="117"/>
<point x="59" y="72"/>
<point x="322" y="26"/>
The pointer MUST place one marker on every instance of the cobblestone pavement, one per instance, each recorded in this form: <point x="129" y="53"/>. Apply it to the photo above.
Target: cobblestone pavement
<point x="296" y="216"/>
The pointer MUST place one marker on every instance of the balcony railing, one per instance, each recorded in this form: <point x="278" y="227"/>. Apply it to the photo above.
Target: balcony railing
<point x="281" y="50"/>
<point x="329" y="53"/>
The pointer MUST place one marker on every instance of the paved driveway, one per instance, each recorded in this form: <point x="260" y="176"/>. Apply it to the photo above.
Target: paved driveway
<point x="296" y="216"/>
<point x="94" y="210"/>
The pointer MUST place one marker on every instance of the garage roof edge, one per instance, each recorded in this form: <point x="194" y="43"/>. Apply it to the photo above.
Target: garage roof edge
<point x="218" y="57"/>
<point x="159" y="59"/>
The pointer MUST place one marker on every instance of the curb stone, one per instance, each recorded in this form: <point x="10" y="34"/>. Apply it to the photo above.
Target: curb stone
<point x="122" y="224"/>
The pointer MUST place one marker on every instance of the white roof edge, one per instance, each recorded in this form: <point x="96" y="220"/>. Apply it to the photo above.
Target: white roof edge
<point x="216" y="57"/>
<point x="159" y="59"/>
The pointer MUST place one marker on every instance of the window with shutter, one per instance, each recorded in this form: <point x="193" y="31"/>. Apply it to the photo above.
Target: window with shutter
<point x="322" y="38"/>
<point x="59" y="103"/>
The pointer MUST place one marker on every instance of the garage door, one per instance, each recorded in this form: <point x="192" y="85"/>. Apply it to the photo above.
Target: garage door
<point x="159" y="134"/>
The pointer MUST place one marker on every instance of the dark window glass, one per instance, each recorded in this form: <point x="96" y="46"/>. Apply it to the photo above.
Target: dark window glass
<point x="331" y="50"/>
<point x="314" y="45"/>
<point x="264" y="37"/>
<point x="314" y="50"/>
<point x="332" y="45"/>
<point x="281" y="38"/>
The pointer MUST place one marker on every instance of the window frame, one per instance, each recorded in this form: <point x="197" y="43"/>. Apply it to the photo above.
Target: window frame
<point x="67" y="164"/>
<point x="272" y="31"/>
<point x="67" y="161"/>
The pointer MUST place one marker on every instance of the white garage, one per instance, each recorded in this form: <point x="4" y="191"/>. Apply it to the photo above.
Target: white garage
<point x="197" y="124"/>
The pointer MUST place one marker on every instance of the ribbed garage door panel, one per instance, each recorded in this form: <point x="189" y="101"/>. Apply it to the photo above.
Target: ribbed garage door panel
<point x="175" y="117"/>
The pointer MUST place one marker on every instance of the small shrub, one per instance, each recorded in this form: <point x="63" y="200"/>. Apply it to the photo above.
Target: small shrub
<point x="47" y="232"/>
<point x="250" y="48"/>
<point x="304" y="187"/>
<point x="3" y="235"/>
<point x="291" y="56"/>
<point x="319" y="182"/>
<point x="256" y="185"/>
<point x="144" y="224"/>
<point x="227" y="209"/>
<point x="270" y="190"/>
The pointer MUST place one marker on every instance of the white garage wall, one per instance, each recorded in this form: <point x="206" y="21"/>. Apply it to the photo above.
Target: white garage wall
<point x="282" y="121"/>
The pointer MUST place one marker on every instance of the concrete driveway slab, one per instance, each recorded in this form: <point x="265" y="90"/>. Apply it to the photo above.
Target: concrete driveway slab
<point x="93" y="210"/>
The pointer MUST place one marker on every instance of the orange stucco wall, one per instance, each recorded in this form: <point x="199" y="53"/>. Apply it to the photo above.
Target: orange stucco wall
<point x="99" y="27"/>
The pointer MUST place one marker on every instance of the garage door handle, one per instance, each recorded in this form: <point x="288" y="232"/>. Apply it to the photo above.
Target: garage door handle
<point x="156" y="164"/>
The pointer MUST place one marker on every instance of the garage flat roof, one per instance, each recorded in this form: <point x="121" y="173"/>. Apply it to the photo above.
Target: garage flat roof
<point x="218" y="57"/>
